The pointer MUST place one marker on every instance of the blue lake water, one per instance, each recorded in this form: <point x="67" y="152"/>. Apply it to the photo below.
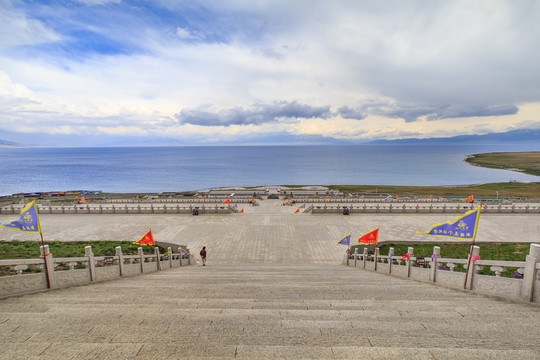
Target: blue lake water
<point x="156" y="169"/>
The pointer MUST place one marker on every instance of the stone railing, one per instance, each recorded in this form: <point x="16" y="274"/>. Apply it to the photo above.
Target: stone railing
<point x="121" y="209"/>
<point x="524" y="283"/>
<point x="423" y="209"/>
<point x="70" y="271"/>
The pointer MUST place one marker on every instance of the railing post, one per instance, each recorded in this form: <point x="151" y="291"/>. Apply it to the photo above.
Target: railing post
<point x="410" y="251"/>
<point x="375" y="257"/>
<point x="169" y="252"/>
<point x="365" y="257"/>
<point x="158" y="265"/>
<point x="475" y="252"/>
<point x="355" y="256"/>
<point x="91" y="263"/>
<point x="120" y="260"/>
<point x="49" y="268"/>
<point x="390" y="256"/>
<point x="436" y="254"/>
<point x="181" y="255"/>
<point x="141" y="258"/>
<point x="529" y="274"/>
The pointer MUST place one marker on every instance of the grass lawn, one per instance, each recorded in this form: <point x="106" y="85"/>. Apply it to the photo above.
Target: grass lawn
<point x="526" y="162"/>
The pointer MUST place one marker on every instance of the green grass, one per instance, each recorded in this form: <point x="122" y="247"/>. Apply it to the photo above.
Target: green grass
<point x="506" y="189"/>
<point x="30" y="249"/>
<point x="526" y="162"/>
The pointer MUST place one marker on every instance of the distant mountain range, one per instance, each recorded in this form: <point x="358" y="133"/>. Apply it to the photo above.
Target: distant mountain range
<point x="515" y="136"/>
<point x="523" y="136"/>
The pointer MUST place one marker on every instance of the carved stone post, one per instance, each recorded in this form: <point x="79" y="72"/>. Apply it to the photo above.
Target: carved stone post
<point x="410" y="251"/>
<point x="376" y="257"/>
<point x="181" y="255"/>
<point x="120" y="260"/>
<point x="91" y="263"/>
<point x="47" y="257"/>
<point x="470" y="275"/>
<point x="365" y="257"/>
<point x="436" y="254"/>
<point x="158" y="265"/>
<point x="169" y="252"/>
<point x="355" y="255"/>
<point x="529" y="274"/>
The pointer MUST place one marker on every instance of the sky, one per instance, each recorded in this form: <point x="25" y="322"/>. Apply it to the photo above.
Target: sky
<point x="163" y="72"/>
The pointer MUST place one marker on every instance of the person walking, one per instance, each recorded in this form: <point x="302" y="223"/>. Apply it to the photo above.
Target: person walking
<point x="203" y="255"/>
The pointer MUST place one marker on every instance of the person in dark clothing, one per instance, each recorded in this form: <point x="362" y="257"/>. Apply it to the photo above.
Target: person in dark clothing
<point x="203" y="255"/>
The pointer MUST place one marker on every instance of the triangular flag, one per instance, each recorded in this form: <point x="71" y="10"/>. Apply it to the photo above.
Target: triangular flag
<point x="397" y="196"/>
<point x="297" y="210"/>
<point x="369" y="237"/>
<point x="242" y="211"/>
<point x="345" y="240"/>
<point x="430" y="196"/>
<point x="469" y="199"/>
<point x="82" y="200"/>
<point x="137" y="197"/>
<point x="76" y="197"/>
<point x="225" y="202"/>
<point x="147" y="239"/>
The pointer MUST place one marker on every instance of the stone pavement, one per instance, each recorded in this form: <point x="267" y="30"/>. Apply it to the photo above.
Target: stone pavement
<point x="265" y="312"/>
<point x="273" y="289"/>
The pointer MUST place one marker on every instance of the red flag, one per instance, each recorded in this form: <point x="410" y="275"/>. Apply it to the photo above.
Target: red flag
<point x="82" y="200"/>
<point x="370" y="237"/>
<point x="76" y="197"/>
<point x="137" y="197"/>
<point x="242" y="211"/>
<point x="430" y="196"/>
<point x="397" y="196"/>
<point x="297" y="211"/>
<point x="147" y="239"/>
<point x="226" y="202"/>
<point x="469" y="199"/>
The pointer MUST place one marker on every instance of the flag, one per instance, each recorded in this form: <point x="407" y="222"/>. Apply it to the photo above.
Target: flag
<point x="28" y="220"/>
<point x="235" y="205"/>
<point x="21" y="202"/>
<point x="469" y="199"/>
<point x="225" y="202"/>
<point x="242" y="211"/>
<point x="463" y="227"/>
<point x="397" y="196"/>
<point x="77" y="197"/>
<point x="430" y="196"/>
<point x="82" y="200"/>
<point x="345" y="241"/>
<point x="147" y="239"/>
<point x="149" y="199"/>
<point x="389" y="198"/>
<point x="369" y="237"/>
<point x="303" y="206"/>
<point x="297" y="210"/>
<point x="182" y="250"/>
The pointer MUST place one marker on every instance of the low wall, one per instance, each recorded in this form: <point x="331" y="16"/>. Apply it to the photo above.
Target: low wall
<point x="422" y="209"/>
<point x="65" y="272"/>
<point x="524" y="285"/>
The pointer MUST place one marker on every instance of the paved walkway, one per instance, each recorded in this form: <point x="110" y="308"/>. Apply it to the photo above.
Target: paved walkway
<point x="265" y="312"/>
<point x="273" y="289"/>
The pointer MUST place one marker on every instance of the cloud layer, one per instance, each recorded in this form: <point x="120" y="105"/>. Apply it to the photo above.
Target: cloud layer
<point x="346" y="70"/>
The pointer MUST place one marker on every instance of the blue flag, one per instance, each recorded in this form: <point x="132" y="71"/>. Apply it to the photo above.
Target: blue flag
<point x="345" y="241"/>
<point x="389" y="198"/>
<point x="303" y="206"/>
<point x="463" y="227"/>
<point x="28" y="220"/>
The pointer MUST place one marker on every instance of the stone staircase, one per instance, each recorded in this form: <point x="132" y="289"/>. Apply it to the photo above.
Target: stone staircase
<point x="266" y="311"/>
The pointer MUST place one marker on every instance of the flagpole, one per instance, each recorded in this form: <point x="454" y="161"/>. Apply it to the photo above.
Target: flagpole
<point x="45" y="259"/>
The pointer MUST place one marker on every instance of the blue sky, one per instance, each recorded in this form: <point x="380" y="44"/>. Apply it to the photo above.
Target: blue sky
<point x="115" y="72"/>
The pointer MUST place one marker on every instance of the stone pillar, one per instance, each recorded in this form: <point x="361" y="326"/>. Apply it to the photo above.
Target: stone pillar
<point x="158" y="265"/>
<point x="470" y="275"/>
<point x="365" y="256"/>
<point x="390" y="257"/>
<point x="141" y="258"/>
<point x="529" y="274"/>
<point x="188" y="256"/>
<point x="120" y="260"/>
<point x="49" y="268"/>
<point x="410" y="251"/>
<point x="436" y="255"/>
<point x="180" y="251"/>
<point x="169" y="251"/>
<point x="113" y="209"/>
<point x="376" y="257"/>
<point x="91" y="263"/>
<point x="355" y="256"/>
